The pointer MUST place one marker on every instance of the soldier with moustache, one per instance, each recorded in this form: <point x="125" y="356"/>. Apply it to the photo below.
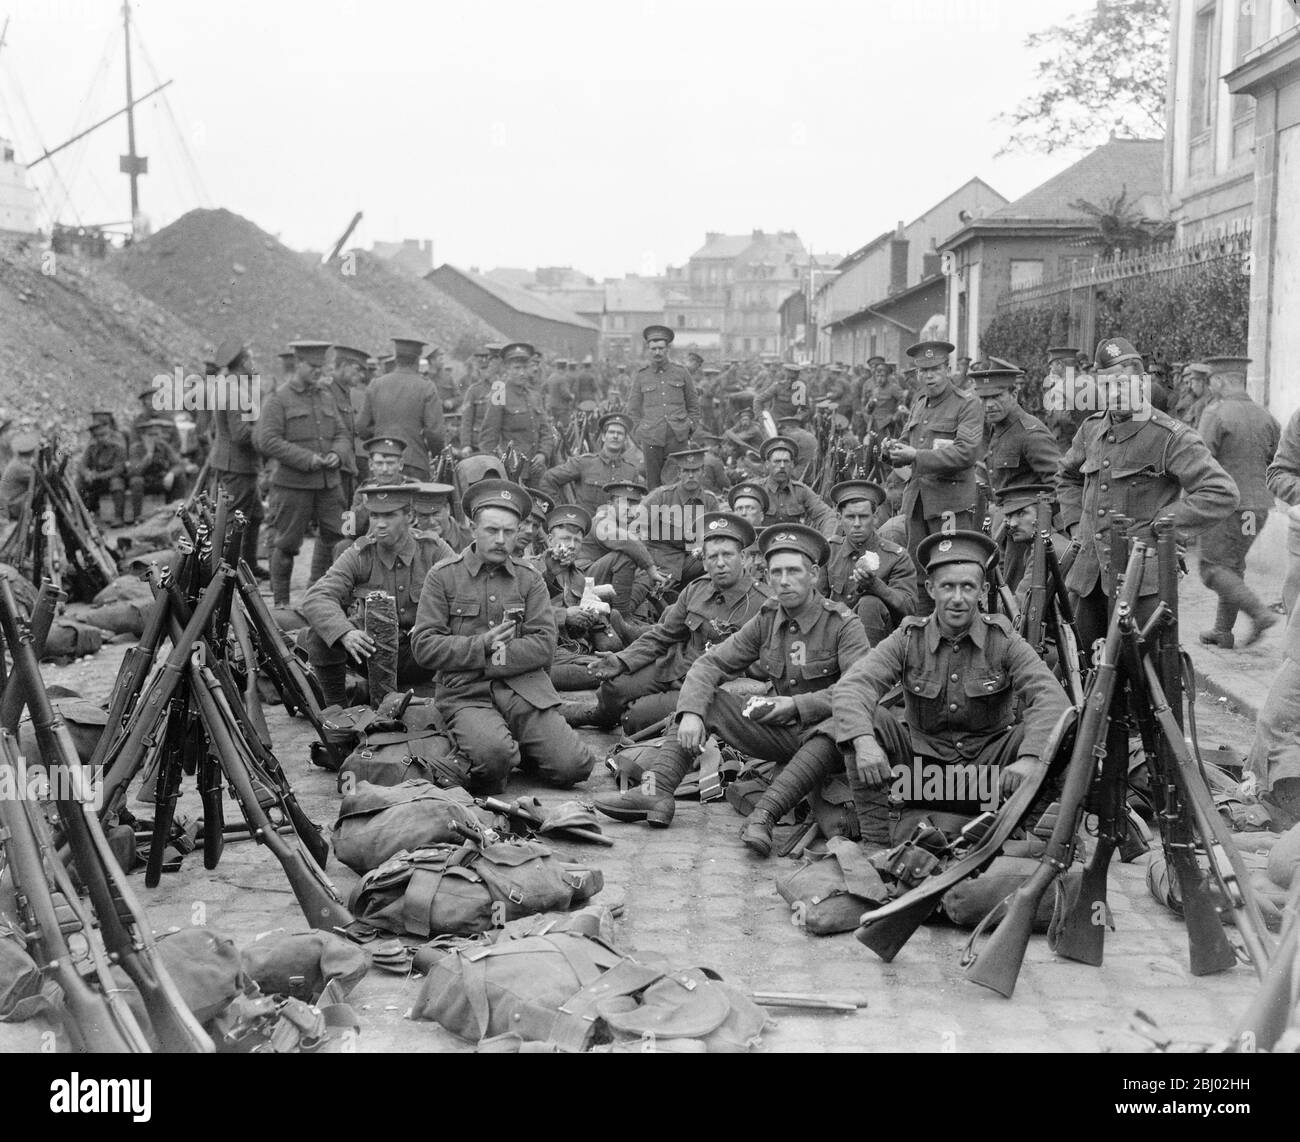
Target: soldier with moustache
<point x="791" y="500"/>
<point x="662" y="403"/>
<point x="515" y="416"/>
<point x="405" y="405"/>
<point x="1018" y="504"/>
<point x="714" y="477"/>
<point x="639" y="683"/>
<point x="802" y="643"/>
<point x="874" y="577"/>
<point x="1133" y="461"/>
<point x="393" y="558"/>
<point x="960" y="673"/>
<point x="939" y="443"/>
<point x="485" y="626"/>
<point x="587" y="474"/>
<point x="792" y="428"/>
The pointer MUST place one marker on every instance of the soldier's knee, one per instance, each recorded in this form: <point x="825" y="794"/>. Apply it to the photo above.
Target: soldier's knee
<point x="116" y="484"/>
<point x="562" y="765"/>
<point x="320" y="653"/>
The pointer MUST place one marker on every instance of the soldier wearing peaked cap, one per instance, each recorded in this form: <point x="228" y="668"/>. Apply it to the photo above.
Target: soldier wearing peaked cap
<point x="714" y="476"/>
<point x="514" y="415"/>
<point x="586" y="475"/>
<point x="617" y="527"/>
<point x="1019" y="507"/>
<point x="486" y="627"/>
<point x="392" y="558"/>
<point x="1138" y="463"/>
<point x="234" y="457"/>
<point x="102" y="468"/>
<point x="300" y="428"/>
<point x="791" y="500"/>
<point x="1021" y="448"/>
<point x="640" y="682"/>
<point x="1065" y="394"/>
<point x="872" y="575"/>
<point x="787" y="394"/>
<point x="960" y="672"/>
<point x="791" y="427"/>
<point x="939" y="443"/>
<point x="1244" y="438"/>
<point x="801" y="642"/>
<point x="432" y="504"/>
<point x="672" y="517"/>
<point x="20" y="474"/>
<point x="406" y="405"/>
<point x="384" y="462"/>
<point x="662" y="403"/>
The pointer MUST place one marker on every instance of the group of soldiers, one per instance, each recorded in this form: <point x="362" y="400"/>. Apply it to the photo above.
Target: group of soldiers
<point x="628" y="578"/>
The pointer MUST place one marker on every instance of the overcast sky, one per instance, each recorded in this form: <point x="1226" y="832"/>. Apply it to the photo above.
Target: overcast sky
<point x="609" y="136"/>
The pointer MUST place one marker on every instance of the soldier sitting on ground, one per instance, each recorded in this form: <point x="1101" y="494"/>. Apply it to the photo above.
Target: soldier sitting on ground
<point x="485" y="626"/>
<point x="102" y="468"/>
<point x="960" y="672"/>
<point x="152" y="465"/>
<point x="391" y="558"/>
<point x="19" y="474"/>
<point x="802" y="642"/>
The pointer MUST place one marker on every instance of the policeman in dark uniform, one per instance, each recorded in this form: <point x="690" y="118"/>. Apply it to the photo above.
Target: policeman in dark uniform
<point x="1243" y="438"/>
<point x="960" y="671"/>
<point x="802" y="643"/>
<point x="406" y="405"/>
<point x="640" y="682"/>
<point x="391" y="558"/>
<point x="940" y="443"/>
<point x="486" y="627"/>
<point x="587" y="474"/>
<point x="791" y="500"/>
<point x="514" y="414"/>
<point x="1132" y="461"/>
<point x="662" y="403"/>
<point x="870" y="575"/>
<point x="301" y="430"/>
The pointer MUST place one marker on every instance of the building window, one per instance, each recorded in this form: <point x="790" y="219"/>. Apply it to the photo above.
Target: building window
<point x="620" y="322"/>
<point x="1204" y="73"/>
<point x="1026" y="272"/>
<point x="1249" y="17"/>
<point x="681" y="321"/>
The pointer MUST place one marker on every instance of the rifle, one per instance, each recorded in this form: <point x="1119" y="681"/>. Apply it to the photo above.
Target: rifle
<point x="1269" y="1013"/>
<point x="94" y="1019"/>
<point x="47" y="602"/>
<point x="127" y="935"/>
<point x="1208" y="946"/>
<point x="1036" y="610"/>
<point x="997" y="965"/>
<point x="1080" y="934"/>
<point x="316" y="896"/>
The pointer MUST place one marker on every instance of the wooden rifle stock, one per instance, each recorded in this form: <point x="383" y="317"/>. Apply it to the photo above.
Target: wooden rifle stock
<point x="13" y="699"/>
<point x="1271" y="1010"/>
<point x="997" y="965"/>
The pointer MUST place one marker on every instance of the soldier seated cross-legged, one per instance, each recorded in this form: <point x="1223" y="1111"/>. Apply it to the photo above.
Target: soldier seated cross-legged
<point x="486" y="628"/>
<point x="802" y="643"/>
<point x="955" y="747"/>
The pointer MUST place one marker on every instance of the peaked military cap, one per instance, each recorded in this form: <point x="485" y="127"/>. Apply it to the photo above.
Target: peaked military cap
<point x="1113" y="351"/>
<point x="794" y="537"/>
<point x="569" y="515"/>
<point x="689" y="457"/>
<point x="210" y="367"/>
<point x="657" y="333"/>
<point x="386" y="497"/>
<point x="30" y="442"/>
<point x="102" y="416"/>
<point x="542" y="503"/>
<point x="614" y="418"/>
<point x="482" y="353"/>
<point x="497" y="494"/>
<point x="930" y="354"/>
<point x="694" y="356"/>
<point x="228" y="352"/>
<point x="989" y="382"/>
<point x="776" y="443"/>
<point x="627" y="488"/>
<point x="1062" y="353"/>
<point x="347" y="353"/>
<point x="288" y="357"/>
<point x="518" y="351"/>
<point x="1018" y="496"/>
<point x="790" y="366"/>
<point x="724" y="525"/>
<point x="956" y="547"/>
<point x="749" y="489"/>
<point x="877" y="360"/>
<point x="561" y="360"/>
<point x="494" y="348"/>
<point x="384" y="446"/>
<point x="427" y="495"/>
<point x="711" y="371"/>
<point x="851" y="491"/>
<point x="408" y="346"/>
<point x="310" y="352"/>
<point x="1227" y="364"/>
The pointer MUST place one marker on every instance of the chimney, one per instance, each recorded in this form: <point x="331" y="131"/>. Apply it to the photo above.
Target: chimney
<point x="930" y="264"/>
<point x="898" y="248"/>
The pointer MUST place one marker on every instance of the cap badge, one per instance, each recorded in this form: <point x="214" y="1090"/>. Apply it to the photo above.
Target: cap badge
<point x="945" y="545"/>
<point x="714" y="524"/>
<point x="505" y="495"/>
<point x="785" y="537"/>
<point x="1112" y="348"/>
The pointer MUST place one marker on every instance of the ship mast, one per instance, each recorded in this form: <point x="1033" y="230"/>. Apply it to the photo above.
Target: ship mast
<point x="131" y="164"/>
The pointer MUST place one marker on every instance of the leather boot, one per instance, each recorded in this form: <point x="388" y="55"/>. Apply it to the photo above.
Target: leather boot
<point x="652" y="800"/>
<point x="281" y="574"/>
<point x="804" y="773"/>
<point x="248" y="550"/>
